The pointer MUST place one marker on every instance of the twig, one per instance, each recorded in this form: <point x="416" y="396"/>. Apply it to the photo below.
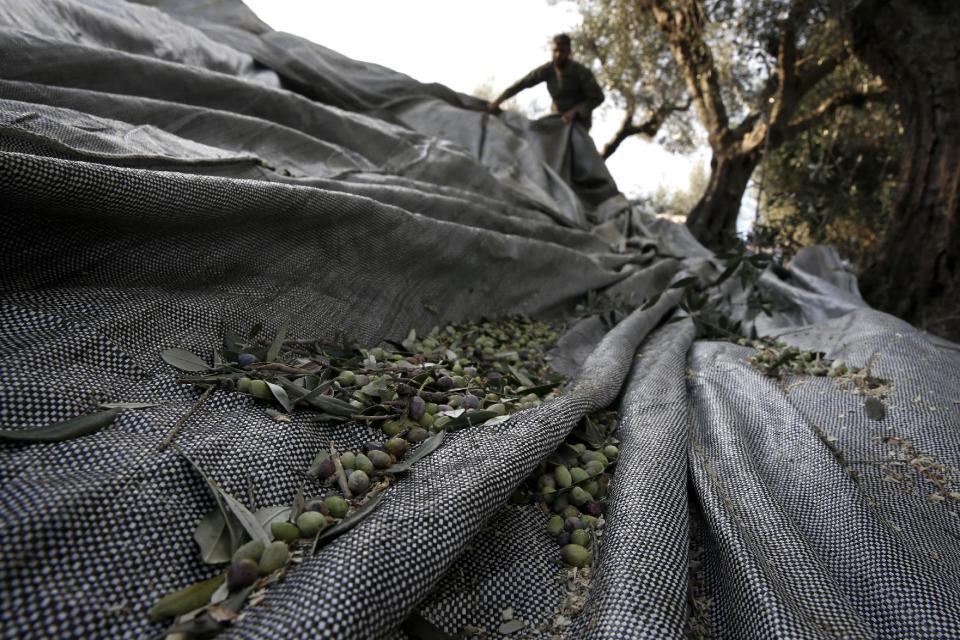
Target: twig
<point x="276" y="366"/>
<point x="372" y="418"/>
<point x="183" y="419"/>
<point x="341" y="476"/>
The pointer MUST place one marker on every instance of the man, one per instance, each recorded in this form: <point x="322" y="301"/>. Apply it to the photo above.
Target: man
<point x="574" y="90"/>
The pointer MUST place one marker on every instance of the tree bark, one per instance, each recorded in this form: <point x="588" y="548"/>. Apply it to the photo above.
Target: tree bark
<point x="713" y="220"/>
<point x="915" y="48"/>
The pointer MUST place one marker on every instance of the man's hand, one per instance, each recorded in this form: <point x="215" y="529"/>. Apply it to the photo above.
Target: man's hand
<point x="569" y="116"/>
<point x="493" y="106"/>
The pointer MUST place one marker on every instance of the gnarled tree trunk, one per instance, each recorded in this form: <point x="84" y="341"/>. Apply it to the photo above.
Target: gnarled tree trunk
<point x="915" y="48"/>
<point x="713" y="220"/>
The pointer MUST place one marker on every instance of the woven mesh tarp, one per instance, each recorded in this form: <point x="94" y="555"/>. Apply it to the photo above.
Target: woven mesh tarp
<point x="171" y="172"/>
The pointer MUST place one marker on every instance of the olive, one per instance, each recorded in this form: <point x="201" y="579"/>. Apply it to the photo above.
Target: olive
<point x="242" y="573"/>
<point x="285" y="531"/>
<point x="562" y="476"/>
<point x="337" y="506"/>
<point x="250" y="551"/>
<point x="311" y="523"/>
<point x="575" y="555"/>
<point x="416" y="408"/>
<point x="417" y="434"/>
<point x="579" y="497"/>
<point x="259" y="389"/>
<point x="595" y="468"/>
<point x="594" y="508"/>
<point x="274" y="557"/>
<point x="392" y="428"/>
<point x="397" y="447"/>
<point x="318" y="505"/>
<point x="363" y="463"/>
<point x="359" y="481"/>
<point x="580" y="537"/>
<point x="380" y="459"/>
<point x="555" y="526"/>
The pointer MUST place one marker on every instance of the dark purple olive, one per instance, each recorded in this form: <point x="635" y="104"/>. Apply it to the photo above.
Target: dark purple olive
<point x="228" y="384"/>
<point x="470" y="401"/>
<point x="417" y="406"/>
<point x="373" y="445"/>
<point x="593" y="508"/>
<point x="326" y="469"/>
<point x="380" y="459"/>
<point x="563" y="539"/>
<point x="246" y="359"/>
<point x="470" y="371"/>
<point x="444" y="407"/>
<point x="572" y="524"/>
<point x="397" y="447"/>
<point x="317" y="504"/>
<point x="242" y="573"/>
<point x="494" y="377"/>
<point x="445" y="383"/>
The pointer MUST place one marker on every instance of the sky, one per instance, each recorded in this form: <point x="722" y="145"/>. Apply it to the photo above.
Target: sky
<point x="466" y="46"/>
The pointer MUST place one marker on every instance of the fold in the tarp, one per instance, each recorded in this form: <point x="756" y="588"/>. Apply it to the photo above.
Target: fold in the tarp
<point x="172" y="172"/>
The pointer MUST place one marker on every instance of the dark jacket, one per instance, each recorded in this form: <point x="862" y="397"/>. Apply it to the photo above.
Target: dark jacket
<point x="571" y="87"/>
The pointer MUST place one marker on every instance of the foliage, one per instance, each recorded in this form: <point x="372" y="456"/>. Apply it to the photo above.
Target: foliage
<point x="833" y="184"/>
<point x="620" y="42"/>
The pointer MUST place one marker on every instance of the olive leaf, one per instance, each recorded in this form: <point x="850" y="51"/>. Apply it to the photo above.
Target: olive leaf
<point x="129" y="405"/>
<point x="65" y="430"/>
<point x="274" y="351"/>
<point x="268" y="515"/>
<point x="426" y="448"/>
<point x="731" y="268"/>
<point x="521" y="378"/>
<point x="299" y="502"/>
<point x="231" y="506"/>
<point x="213" y="536"/>
<point x="247" y="520"/>
<point x="187" y="599"/>
<point x="184" y="360"/>
<point x="470" y="419"/>
<point x="540" y="390"/>
<point x="683" y="282"/>
<point x="325" y="403"/>
<point x="349" y="522"/>
<point x="281" y="396"/>
<point x="315" y="469"/>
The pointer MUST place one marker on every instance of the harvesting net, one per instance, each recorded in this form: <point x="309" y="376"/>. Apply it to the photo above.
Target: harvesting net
<point x="177" y="173"/>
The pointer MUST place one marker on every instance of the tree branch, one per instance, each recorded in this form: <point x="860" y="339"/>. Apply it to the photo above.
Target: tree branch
<point x="829" y="106"/>
<point x="650" y="127"/>
<point x="682" y="23"/>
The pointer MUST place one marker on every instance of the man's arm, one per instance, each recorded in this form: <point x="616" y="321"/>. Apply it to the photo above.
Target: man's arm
<point x="594" y="96"/>
<point x="532" y="79"/>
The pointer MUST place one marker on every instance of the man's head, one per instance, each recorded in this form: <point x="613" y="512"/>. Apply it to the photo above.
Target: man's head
<point x="561" y="50"/>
